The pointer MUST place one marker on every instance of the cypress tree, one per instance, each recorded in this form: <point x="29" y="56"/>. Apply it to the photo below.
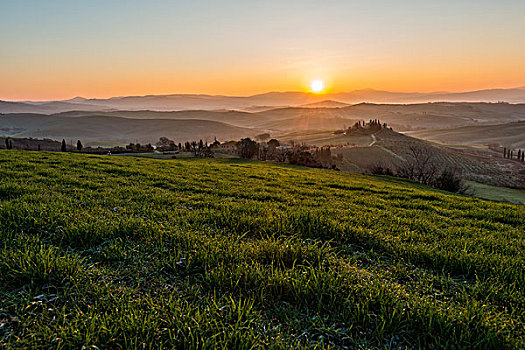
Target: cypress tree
<point x="79" y="146"/>
<point x="63" y="147"/>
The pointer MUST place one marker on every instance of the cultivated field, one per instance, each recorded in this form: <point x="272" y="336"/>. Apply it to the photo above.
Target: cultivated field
<point x="508" y="135"/>
<point x="123" y="252"/>
<point x="322" y="138"/>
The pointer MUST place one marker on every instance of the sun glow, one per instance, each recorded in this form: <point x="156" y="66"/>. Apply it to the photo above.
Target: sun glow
<point x="317" y="86"/>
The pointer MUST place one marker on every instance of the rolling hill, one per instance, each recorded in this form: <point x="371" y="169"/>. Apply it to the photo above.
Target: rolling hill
<point x="401" y="117"/>
<point x="391" y="149"/>
<point x="326" y="104"/>
<point x="115" y="252"/>
<point x="95" y="130"/>
<point x="51" y="107"/>
<point x="236" y="124"/>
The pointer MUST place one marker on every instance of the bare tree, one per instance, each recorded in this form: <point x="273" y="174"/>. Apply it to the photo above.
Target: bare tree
<point x="420" y="165"/>
<point x="194" y="147"/>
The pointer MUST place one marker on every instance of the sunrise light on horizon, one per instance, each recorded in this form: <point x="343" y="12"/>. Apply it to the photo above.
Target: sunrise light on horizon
<point x="61" y="49"/>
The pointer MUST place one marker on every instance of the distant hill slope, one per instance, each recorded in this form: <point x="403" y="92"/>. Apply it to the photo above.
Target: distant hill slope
<point x="48" y="107"/>
<point x="406" y="117"/>
<point x="508" y="135"/>
<point x="326" y="104"/>
<point x="391" y="149"/>
<point x="95" y="129"/>
<point x="237" y="118"/>
<point x="437" y="115"/>
<point x="401" y="117"/>
<point x="235" y="124"/>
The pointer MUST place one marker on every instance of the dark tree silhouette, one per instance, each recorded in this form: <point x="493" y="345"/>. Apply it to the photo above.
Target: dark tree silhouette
<point x="194" y="148"/>
<point x="63" y="147"/>
<point x="166" y="144"/>
<point x="247" y="148"/>
<point x="79" y="146"/>
<point x="274" y="143"/>
<point x="304" y="158"/>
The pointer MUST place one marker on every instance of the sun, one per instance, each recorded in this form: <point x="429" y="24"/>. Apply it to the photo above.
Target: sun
<point x="317" y="86"/>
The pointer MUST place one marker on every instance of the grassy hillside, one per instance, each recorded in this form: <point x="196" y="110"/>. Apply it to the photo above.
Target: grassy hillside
<point x="126" y="252"/>
<point x="390" y="149"/>
<point x="502" y="194"/>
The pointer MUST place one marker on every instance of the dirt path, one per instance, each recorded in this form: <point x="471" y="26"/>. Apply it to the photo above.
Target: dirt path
<point x="374" y="140"/>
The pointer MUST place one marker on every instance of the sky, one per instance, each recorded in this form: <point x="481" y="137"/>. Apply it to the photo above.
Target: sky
<point x="59" y="49"/>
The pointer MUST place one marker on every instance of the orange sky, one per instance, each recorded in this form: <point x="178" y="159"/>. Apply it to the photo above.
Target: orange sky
<point x="59" y="49"/>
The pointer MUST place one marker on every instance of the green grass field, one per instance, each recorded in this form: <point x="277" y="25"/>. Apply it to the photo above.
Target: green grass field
<point x="182" y="155"/>
<point x="495" y="193"/>
<point x="123" y="252"/>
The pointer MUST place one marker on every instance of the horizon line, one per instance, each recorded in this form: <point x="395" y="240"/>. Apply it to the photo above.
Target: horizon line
<point x="265" y="93"/>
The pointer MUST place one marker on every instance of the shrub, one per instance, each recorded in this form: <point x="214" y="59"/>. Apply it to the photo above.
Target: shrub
<point x="379" y="169"/>
<point x="450" y="180"/>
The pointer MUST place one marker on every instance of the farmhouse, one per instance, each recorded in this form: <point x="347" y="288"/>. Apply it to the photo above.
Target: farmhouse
<point x="226" y="147"/>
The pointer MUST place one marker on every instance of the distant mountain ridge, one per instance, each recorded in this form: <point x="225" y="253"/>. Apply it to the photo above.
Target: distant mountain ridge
<point x="179" y="102"/>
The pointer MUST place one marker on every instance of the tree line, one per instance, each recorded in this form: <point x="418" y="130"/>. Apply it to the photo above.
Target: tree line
<point x="509" y="154"/>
